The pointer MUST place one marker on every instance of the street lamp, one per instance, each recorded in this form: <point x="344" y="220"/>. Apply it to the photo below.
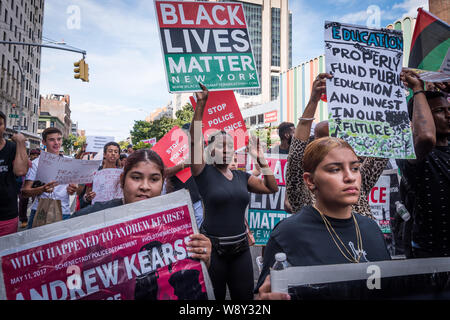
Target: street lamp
<point x="22" y="96"/>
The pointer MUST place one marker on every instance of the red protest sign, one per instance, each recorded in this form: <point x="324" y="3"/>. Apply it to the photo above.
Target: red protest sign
<point x="173" y="149"/>
<point x="222" y="113"/>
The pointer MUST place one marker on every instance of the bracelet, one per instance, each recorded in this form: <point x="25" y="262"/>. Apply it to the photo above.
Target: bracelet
<point x="420" y="91"/>
<point x="306" y="119"/>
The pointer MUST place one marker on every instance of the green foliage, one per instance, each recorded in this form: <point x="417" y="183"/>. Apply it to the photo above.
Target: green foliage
<point x="143" y="130"/>
<point x="68" y="143"/>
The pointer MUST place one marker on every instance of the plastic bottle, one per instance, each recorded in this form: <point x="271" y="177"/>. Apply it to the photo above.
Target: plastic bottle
<point x="278" y="278"/>
<point x="402" y="211"/>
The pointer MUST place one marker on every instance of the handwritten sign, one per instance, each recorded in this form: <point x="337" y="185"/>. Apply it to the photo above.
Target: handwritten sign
<point x="366" y="100"/>
<point x="151" y="141"/>
<point x="222" y="113"/>
<point x="173" y="149"/>
<point x="64" y="170"/>
<point x="96" y="143"/>
<point x="106" y="185"/>
<point x="205" y="42"/>
<point x="267" y="210"/>
<point x="132" y="252"/>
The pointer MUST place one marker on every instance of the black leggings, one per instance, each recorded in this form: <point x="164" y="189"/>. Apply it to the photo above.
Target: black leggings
<point x="236" y="271"/>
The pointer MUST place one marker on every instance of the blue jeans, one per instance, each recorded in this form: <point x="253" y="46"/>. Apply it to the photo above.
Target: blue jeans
<point x="33" y="213"/>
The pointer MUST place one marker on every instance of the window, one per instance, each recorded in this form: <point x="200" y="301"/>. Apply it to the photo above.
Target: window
<point x="42" y="125"/>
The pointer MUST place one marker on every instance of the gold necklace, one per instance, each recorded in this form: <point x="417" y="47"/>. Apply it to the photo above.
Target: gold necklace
<point x="358" y="238"/>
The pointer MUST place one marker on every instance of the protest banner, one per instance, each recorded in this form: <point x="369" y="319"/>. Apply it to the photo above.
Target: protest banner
<point x="424" y="279"/>
<point x="96" y="143"/>
<point x="106" y="185"/>
<point x="205" y="42"/>
<point x="65" y="170"/>
<point x="173" y="149"/>
<point x="222" y="113"/>
<point x="366" y="100"/>
<point x="151" y="141"/>
<point x="135" y="251"/>
<point x="266" y="210"/>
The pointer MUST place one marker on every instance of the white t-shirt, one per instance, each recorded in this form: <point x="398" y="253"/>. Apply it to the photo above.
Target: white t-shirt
<point x="59" y="193"/>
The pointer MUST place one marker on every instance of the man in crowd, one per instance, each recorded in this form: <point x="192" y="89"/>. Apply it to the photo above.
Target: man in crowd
<point x="52" y="139"/>
<point x="130" y="149"/>
<point x="285" y="132"/>
<point x="13" y="162"/>
<point x="427" y="178"/>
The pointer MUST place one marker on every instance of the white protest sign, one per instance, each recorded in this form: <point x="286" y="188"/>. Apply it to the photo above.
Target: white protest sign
<point x="366" y="99"/>
<point x="96" y="143"/>
<point x="106" y="185"/>
<point x="64" y="170"/>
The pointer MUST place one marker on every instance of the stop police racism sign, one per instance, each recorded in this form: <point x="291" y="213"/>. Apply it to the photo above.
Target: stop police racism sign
<point x="222" y="113"/>
<point x="207" y="43"/>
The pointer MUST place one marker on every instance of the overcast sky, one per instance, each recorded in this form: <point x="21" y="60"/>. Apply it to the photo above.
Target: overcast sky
<point x="127" y="79"/>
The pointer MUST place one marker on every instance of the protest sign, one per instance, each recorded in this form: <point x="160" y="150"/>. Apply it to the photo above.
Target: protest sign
<point x="173" y="149"/>
<point x="134" y="251"/>
<point x="96" y="143"/>
<point x="205" y="42"/>
<point x="106" y="185"/>
<point x="222" y="113"/>
<point x="65" y="170"/>
<point x="395" y="279"/>
<point x="266" y="210"/>
<point x="366" y="100"/>
<point x="382" y="200"/>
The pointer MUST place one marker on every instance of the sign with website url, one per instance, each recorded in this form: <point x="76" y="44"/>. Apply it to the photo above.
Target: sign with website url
<point x="205" y="43"/>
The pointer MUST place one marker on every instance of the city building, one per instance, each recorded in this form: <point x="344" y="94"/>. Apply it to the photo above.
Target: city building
<point x="74" y="130"/>
<point x="58" y="105"/>
<point x="46" y="120"/>
<point x="21" y="21"/>
<point x="166" y="111"/>
<point x="269" y="24"/>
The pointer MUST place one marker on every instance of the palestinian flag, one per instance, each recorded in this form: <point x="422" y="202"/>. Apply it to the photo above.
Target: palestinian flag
<point x="430" y="42"/>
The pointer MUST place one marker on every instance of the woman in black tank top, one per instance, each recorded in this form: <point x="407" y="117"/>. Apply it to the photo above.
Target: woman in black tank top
<point x="225" y="197"/>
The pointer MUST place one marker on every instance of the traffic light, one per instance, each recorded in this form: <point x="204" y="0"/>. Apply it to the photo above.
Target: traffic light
<point x="81" y="70"/>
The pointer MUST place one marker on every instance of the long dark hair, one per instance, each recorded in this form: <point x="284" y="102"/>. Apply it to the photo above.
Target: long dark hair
<point x="142" y="155"/>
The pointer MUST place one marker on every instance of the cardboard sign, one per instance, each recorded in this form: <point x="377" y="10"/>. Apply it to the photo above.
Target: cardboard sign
<point x="222" y="113"/>
<point x="266" y="210"/>
<point x="173" y="149"/>
<point x="65" y="170"/>
<point x="130" y="252"/>
<point x="106" y="185"/>
<point x="366" y="100"/>
<point x="96" y="143"/>
<point x="205" y="42"/>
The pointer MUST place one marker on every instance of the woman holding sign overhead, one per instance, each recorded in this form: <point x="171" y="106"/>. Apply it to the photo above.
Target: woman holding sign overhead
<point x="225" y="197"/>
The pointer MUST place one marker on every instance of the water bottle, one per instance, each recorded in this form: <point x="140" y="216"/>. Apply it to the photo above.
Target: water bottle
<point x="402" y="211"/>
<point x="278" y="278"/>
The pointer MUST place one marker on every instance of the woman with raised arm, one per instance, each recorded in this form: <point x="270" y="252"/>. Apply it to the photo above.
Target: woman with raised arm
<point x="225" y="197"/>
<point x="330" y="231"/>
